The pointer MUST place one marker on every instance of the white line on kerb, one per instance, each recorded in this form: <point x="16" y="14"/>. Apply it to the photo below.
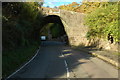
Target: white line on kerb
<point x="24" y="65"/>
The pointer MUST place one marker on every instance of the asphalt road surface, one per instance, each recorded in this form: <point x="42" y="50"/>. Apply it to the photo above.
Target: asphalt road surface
<point x="54" y="60"/>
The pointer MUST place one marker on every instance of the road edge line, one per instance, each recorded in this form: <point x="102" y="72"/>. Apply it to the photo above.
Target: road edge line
<point x="23" y="65"/>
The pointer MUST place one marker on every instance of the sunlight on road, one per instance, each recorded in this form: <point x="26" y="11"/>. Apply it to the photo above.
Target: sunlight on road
<point x="61" y="56"/>
<point x="67" y="52"/>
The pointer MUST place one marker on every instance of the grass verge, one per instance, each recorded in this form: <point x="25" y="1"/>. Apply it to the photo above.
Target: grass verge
<point x="12" y="60"/>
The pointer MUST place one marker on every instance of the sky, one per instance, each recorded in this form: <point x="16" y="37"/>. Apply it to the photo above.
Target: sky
<point x="53" y="3"/>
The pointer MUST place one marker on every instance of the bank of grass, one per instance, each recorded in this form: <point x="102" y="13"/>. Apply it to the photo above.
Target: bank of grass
<point x="12" y="60"/>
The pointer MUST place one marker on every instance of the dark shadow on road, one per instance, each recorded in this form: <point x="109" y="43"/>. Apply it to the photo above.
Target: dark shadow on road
<point x="72" y="58"/>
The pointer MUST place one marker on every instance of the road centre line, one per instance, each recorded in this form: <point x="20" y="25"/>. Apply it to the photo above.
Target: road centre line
<point x="68" y="74"/>
<point x="65" y="64"/>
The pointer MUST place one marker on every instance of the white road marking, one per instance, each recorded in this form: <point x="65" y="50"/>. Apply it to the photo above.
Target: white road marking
<point x="67" y="69"/>
<point x="68" y="75"/>
<point x="62" y="55"/>
<point x="23" y="65"/>
<point x="65" y="63"/>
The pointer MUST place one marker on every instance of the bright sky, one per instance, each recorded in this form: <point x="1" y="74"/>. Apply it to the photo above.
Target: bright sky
<point x="53" y="3"/>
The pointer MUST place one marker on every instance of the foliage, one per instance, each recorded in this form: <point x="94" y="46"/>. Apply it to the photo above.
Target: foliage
<point x="57" y="30"/>
<point x="103" y="21"/>
<point x="21" y="22"/>
<point x="84" y="7"/>
<point x="45" y="29"/>
<point x="70" y="7"/>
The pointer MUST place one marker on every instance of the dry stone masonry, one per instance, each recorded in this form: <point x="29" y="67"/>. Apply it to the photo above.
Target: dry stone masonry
<point x="74" y="27"/>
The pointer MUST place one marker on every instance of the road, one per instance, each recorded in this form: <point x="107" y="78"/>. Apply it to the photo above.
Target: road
<point x="54" y="60"/>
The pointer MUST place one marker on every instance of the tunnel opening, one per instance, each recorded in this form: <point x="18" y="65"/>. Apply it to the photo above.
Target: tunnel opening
<point x="53" y="29"/>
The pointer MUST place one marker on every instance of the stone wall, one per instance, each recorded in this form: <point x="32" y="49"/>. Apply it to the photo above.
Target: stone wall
<point x="74" y="27"/>
<point x="104" y="44"/>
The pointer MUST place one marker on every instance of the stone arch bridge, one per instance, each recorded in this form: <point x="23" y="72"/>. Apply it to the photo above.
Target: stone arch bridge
<point x="73" y="23"/>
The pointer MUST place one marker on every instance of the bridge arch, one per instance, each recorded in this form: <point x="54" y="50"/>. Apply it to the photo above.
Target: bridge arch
<point x="52" y="19"/>
<point x="57" y="20"/>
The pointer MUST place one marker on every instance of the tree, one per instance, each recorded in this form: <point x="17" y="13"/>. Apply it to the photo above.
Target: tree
<point x="18" y="20"/>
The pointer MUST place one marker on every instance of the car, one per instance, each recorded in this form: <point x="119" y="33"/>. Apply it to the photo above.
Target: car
<point x="43" y="38"/>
